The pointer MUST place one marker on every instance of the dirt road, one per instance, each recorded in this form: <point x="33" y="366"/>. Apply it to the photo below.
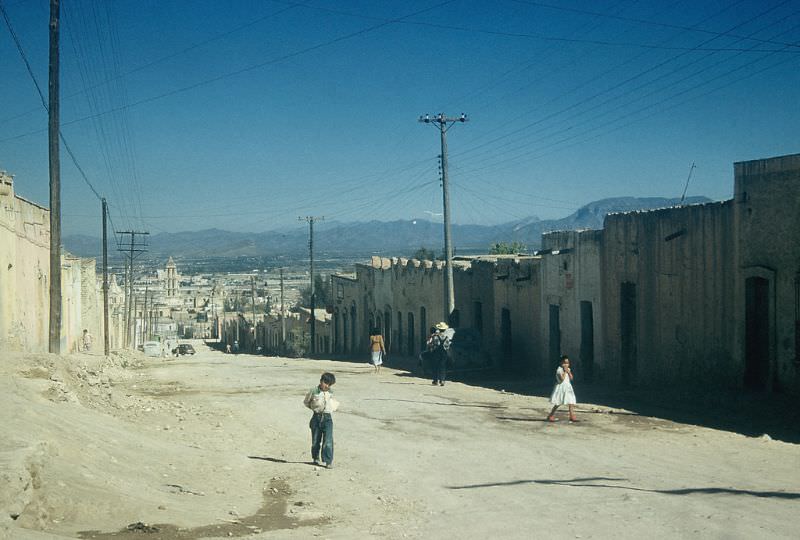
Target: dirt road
<point x="217" y="446"/>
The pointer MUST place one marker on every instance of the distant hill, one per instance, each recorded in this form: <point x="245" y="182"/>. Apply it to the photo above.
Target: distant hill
<point x="401" y="237"/>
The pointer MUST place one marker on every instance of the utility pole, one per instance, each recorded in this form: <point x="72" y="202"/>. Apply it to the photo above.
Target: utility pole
<point x="253" y="300"/>
<point x="444" y="123"/>
<point x="55" y="184"/>
<point x="224" y="320"/>
<point x="311" y="220"/>
<point x="106" y="344"/>
<point x="283" y="318"/>
<point x="145" y="319"/>
<point x="133" y="248"/>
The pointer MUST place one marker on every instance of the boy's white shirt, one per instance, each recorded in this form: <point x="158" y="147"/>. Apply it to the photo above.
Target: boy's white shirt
<point x="320" y="402"/>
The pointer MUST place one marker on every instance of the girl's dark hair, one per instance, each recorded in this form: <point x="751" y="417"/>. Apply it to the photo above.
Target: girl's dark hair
<point x="374" y="331"/>
<point x="563" y="357"/>
<point x="328" y="378"/>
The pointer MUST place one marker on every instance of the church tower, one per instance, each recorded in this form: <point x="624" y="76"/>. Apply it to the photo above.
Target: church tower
<point x="172" y="279"/>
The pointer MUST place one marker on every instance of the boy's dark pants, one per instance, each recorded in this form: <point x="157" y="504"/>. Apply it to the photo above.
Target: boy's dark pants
<point x="321" y="425"/>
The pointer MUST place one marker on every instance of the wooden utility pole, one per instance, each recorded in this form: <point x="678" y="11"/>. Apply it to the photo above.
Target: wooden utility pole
<point x="106" y="340"/>
<point x="55" y="185"/>
<point x="311" y="220"/>
<point x="145" y="318"/>
<point x="133" y="248"/>
<point x="253" y="300"/>
<point x="444" y="123"/>
<point x="283" y="318"/>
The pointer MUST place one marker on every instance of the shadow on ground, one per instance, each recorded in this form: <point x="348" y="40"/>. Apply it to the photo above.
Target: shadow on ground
<point x="740" y="411"/>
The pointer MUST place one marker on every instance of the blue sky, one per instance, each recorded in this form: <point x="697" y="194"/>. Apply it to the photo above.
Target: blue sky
<point x="245" y="115"/>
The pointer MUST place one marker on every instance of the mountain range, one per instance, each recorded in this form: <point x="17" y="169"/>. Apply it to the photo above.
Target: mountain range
<point x="400" y="237"/>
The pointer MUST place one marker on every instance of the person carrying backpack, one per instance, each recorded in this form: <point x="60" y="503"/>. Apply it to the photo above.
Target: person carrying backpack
<point x="441" y="342"/>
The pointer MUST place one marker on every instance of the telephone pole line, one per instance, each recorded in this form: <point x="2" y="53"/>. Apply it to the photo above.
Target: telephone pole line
<point x="106" y="342"/>
<point x="253" y="300"/>
<point x="55" y="184"/>
<point x="283" y="319"/>
<point x="311" y="220"/>
<point x="131" y="249"/>
<point x="444" y="123"/>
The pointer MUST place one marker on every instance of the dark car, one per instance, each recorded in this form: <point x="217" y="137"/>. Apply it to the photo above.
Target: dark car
<point x="185" y="348"/>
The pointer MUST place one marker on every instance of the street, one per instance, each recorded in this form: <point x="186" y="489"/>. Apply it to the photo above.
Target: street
<point x="217" y="445"/>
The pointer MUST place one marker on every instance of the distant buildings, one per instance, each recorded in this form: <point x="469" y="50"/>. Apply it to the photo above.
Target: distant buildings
<point x="704" y="294"/>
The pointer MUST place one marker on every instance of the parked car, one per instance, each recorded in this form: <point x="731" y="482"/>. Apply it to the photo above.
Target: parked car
<point x="185" y="348"/>
<point x="151" y="348"/>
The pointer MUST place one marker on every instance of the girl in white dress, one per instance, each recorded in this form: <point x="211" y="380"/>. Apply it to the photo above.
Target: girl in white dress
<point x="563" y="394"/>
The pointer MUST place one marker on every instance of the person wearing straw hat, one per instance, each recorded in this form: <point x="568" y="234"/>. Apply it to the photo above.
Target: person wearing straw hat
<point x="441" y="348"/>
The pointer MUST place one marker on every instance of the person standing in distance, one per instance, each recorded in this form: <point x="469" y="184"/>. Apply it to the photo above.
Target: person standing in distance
<point x="376" y="348"/>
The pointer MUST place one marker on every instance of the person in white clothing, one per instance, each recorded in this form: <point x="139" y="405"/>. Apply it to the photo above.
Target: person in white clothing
<point x="563" y="394"/>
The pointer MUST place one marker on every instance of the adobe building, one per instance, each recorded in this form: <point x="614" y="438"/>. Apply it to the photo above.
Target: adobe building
<point x="698" y="294"/>
<point x="498" y="299"/>
<point x="24" y="271"/>
<point x="497" y="304"/>
<point x="708" y="292"/>
<point x="667" y="287"/>
<point x="571" y="301"/>
<point x="766" y="215"/>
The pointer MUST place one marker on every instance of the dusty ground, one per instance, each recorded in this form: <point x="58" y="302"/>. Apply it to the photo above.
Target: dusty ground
<point x="217" y="446"/>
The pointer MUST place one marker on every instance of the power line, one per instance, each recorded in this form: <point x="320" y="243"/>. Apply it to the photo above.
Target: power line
<point x="162" y="58"/>
<point x="542" y="37"/>
<point x="247" y="69"/>
<point x="564" y="129"/>
<point x="652" y="23"/>
<point x="43" y="100"/>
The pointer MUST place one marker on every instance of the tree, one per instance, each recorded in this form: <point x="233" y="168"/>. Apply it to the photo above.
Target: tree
<point x="504" y="248"/>
<point x="424" y="254"/>
<point x="322" y="291"/>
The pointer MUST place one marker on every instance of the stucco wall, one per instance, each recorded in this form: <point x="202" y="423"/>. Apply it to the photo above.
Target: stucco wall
<point x="24" y="267"/>
<point x="24" y="281"/>
<point x="345" y="314"/>
<point x="418" y="284"/>
<point x="767" y="209"/>
<point x="571" y="281"/>
<point x="516" y="288"/>
<point x="679" y="264"/>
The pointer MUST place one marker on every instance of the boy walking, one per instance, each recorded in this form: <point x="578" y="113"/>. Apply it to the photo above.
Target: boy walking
<point x="320" y="400"/>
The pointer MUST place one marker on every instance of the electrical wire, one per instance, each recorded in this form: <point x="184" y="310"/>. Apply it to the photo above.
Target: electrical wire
<point x="43" y="100"/>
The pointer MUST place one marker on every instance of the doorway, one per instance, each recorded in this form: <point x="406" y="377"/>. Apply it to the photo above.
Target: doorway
<point x="628" y="338"/>
<point x="587" y="341"/>
<point x="555" y="334"/>
<point x="756" y="338"/>
<point x="505" y="337"/>
<point x="412" y="345"/>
